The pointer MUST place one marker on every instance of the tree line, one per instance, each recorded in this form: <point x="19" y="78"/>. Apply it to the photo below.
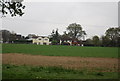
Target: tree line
<point x="74" y="32"/>
<point x="11" y="37"/>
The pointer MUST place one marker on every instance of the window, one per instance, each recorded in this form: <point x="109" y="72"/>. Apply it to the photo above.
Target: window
<point x="46" y="39"/>
<point x="39" y="39"/>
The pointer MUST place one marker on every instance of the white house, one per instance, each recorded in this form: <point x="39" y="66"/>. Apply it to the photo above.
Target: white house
<point x="68" y="41"/>
<point x="41" y="40"/>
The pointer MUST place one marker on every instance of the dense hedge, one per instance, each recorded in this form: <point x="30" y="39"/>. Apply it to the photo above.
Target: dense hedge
<point x="22" y="41"/>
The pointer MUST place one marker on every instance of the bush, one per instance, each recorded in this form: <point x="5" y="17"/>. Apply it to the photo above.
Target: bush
<point x="88" y="44"/>
<point x="22" y="41"/>
<point x="54" y="42"/>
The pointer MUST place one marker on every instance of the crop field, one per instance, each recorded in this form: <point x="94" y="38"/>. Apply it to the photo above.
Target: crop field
<point x="28" y="61"/>
<point x="52" y="50"/>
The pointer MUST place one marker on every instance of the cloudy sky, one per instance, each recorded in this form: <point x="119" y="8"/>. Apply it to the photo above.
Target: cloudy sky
<point x="41" y="18"/>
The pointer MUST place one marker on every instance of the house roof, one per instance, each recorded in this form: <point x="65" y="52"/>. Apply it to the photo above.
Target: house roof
<point x="40" y="36"/>
<point x="35" y="37"/>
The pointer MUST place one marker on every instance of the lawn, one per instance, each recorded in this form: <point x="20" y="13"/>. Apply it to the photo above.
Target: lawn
<point x="58" y="50"/>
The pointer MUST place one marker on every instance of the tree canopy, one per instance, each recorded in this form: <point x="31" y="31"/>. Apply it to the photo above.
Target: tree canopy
<point x="75" y="31"/>
<point x="13" y="7"/>
<point x="96" y="40"/>
<point x="105" y="41"/>
<point x="114" y="35"/>
<point x="55" y="36"/>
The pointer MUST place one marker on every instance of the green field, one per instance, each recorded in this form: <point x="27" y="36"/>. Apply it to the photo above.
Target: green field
<point x="54" y="50"/>
<point x="48" y="72"/>
<point x="30" y="72"/>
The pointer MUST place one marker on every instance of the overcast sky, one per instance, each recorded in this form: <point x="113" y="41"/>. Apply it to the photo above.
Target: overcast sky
<point x="41" y="18"/>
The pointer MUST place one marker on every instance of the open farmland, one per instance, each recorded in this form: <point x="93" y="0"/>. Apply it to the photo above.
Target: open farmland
<point x="59" y="62"/>
<point x="103" y="64"/>
<point x="52" y="50"/>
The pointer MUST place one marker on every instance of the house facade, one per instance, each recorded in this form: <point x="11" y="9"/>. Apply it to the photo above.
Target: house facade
<point x="41" y="40"/>
<point x="66" y="41"/>
<point x="70" y="41"/>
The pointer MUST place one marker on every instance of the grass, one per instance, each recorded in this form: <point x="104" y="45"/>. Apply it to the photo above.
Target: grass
<point x="54" y="50"/>
<point x="39" y="72"/>
<point x="36" y="72"/>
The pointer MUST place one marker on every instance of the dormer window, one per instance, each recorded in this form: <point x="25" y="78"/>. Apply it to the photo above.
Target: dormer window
<point x="46" y="39"/>
<point x="40" y="39"/>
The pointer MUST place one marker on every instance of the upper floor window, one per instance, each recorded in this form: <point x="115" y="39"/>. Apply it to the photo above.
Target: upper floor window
<point x="39" y="39"/>
<point x="46" y="39"/>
